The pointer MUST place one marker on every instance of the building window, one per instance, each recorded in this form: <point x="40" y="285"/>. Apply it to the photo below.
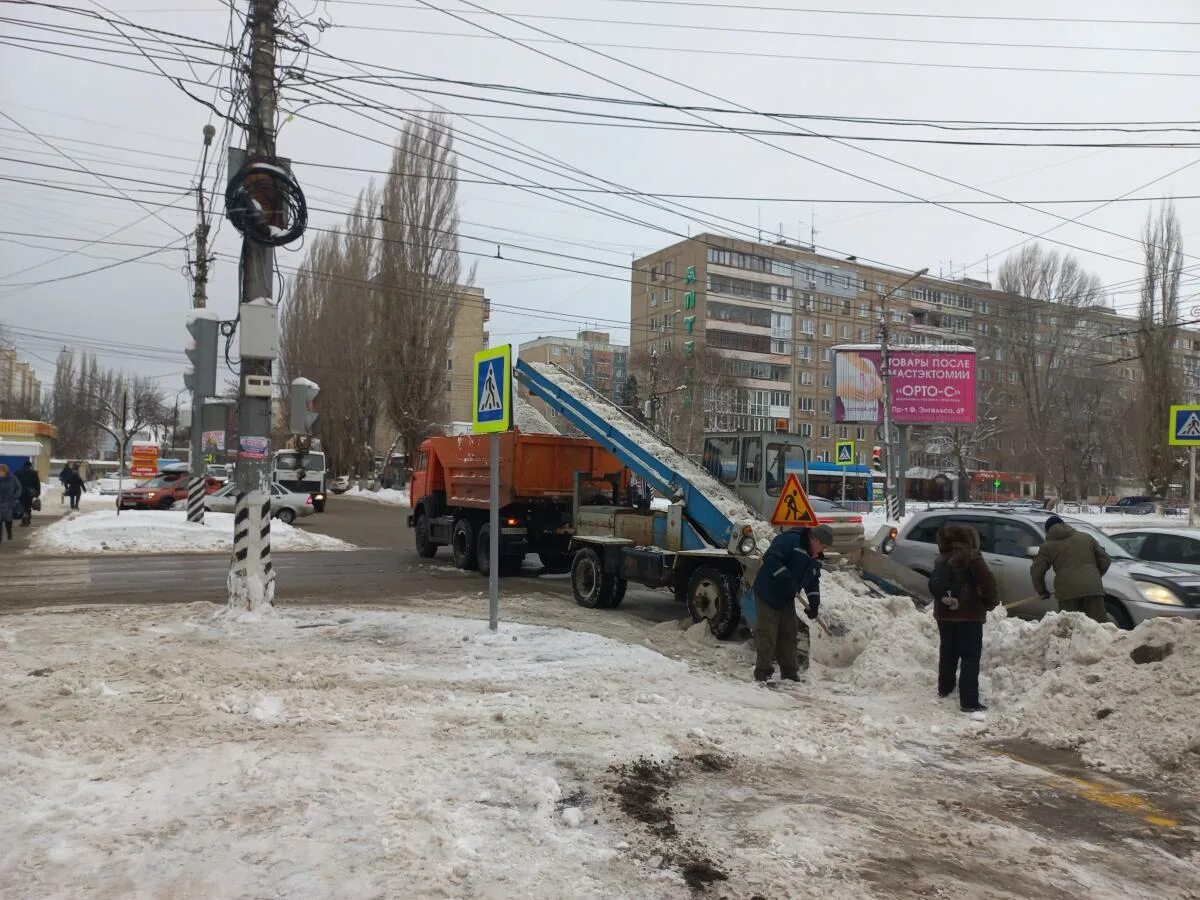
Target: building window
<point x="654" y="298"/>
<point x="806" y="429"/>
<point x="449" y="386"/>
<point x="654" y="273"/>
<point x="449" y="365"/>
<point x="669" y="268"/>
<point x="825" y="430"/>
<point x="806" y="404"/>
<point x="450" y="343"/>
<point x="781" y="398"/>
<point x="845" y="307"/>
<point x="826" y="329"/>
<point x="807" y="327"/>
<point x="826" y="381"/>
<point x="864" y="335"/>
<point x="827" y="405"/>
<point x="827" y="304"/>
<point x="845" y="332"/>
<point x="829" y="279"/>
<point x="804" y="353"/>
<point x="860" y="433"/>
<point x="826" y="355"/>
<point x="806" y="376"/>
<point x="864" y="310"/>
<point x="984" y="306"/>
<point x="843" y="432"/>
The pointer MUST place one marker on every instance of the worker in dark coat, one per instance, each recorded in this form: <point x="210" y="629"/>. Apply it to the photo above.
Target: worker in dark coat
<point x="1079" y="564"/>
<point x="791" y="564"/>
<point x="10" y="499"/>
<point x="964" y="591"/>
<point x="31" y="488"/>
<point x="74" y="486"/>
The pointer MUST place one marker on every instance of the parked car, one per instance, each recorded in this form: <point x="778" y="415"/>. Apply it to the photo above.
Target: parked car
<point x="286" y="506"/>
<point x="847" y="525"/>
<point x="1178" y="548"/>
<point x="1132" y="506"/>
<point x="1135" y="590"/>
<point x="162" y="492"/>
<point x="111" y="484"/>
<point x="340" y="485"/>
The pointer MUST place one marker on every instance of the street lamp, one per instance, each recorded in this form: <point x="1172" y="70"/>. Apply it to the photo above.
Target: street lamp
<point x="895" y="503"/>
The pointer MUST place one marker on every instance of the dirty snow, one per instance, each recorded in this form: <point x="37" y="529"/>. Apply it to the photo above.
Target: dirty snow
<point x="151" y="531"/>
<point x="529" y="419"/>
<point x="383" y="495"/>
<point x="350" y="754"/>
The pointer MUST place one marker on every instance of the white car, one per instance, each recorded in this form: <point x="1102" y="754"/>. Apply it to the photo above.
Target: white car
<point x="1178" y="548"/>
<point x="286" y="506"/>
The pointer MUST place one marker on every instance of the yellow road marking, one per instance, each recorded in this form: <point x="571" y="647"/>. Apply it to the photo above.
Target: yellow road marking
<point x="1113" y="798"/>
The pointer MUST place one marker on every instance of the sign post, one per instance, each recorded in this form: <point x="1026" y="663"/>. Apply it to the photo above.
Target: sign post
<point x="492" y="414"/>
<point x="844" y="458"/>
<point x="1185" y="432"/>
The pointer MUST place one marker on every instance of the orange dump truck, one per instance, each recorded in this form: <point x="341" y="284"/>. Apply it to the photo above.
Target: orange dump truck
<point x="451" y="488"/>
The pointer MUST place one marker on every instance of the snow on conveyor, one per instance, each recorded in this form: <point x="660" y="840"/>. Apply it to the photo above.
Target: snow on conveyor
<point x="725" y="500"/>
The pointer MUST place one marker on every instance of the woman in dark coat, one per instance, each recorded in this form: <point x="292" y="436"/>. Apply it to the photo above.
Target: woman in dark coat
<point x="964" y="590"/>
<point x="74" y="486"/>
<point x="10" y="499"/>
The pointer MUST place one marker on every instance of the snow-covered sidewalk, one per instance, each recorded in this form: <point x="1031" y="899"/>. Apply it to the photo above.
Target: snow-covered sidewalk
<point x="166" y="531"/>
<point x="167" y="752"/>
<point x="391" y="496"/>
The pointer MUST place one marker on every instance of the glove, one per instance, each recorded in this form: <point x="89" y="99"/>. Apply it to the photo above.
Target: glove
<point x="813" y="608"/>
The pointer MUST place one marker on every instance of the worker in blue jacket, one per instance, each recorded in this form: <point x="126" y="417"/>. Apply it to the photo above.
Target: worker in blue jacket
<point x="791" y="564"/>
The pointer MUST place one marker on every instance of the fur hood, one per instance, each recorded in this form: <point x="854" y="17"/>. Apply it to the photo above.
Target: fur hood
<point x="959" y="544"/>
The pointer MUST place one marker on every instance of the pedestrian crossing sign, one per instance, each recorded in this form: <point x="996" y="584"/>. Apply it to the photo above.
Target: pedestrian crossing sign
<point x="1185" y="426"/>
<point x="845" y="453"/>
<point x="793" y="508"/>
<point x="492" y="408"/>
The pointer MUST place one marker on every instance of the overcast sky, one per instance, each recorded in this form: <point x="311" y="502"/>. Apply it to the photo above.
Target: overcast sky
<point x="896" y="67"/>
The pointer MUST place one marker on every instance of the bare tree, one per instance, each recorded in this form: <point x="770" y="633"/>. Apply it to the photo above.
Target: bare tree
<point x="1091" y="403"/>
<point x="689" y="394"/>
<point x="1158" y="320"/>
<point x="418" y="277"/>
<point x="1052" y="296"/>
<point x="122" y="408"/>
<point x="964" y="444"/>
<point x="327" y="333"/>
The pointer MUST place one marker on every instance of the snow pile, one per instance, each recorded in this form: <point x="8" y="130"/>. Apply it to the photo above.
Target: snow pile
<point x="1064" y="681"/>
<point x="148" y="531"/>
<point x="1130" y="703"/>
<point x="529" y="419"/>
<point x="383" y="495"/>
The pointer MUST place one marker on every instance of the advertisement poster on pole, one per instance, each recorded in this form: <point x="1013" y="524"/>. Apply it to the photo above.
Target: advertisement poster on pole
<point x="253" y="448"/>
<point x="930" y="385"/>
<point x="212" y="442"/>
<point x="143" y="459"/>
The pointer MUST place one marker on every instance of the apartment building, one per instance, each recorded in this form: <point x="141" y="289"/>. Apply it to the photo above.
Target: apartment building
<point x="591" y="356"/>
<point x="471" y="314"/>
<point x="20" y="388"/>
<point x="771" y="314"/>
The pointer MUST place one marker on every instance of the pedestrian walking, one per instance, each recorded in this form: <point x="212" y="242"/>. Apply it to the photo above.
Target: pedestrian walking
<point x="1079" y="564"/>
<point x="10" y="500"/>
<point x="964" y="590"/>
<point x="791" y="564"/>
<point x="74" y="486"/>
<point x="63" y="476"/>
<point x="31" y="491"/>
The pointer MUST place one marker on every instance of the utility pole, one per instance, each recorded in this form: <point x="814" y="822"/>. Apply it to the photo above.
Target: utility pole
<point x="195" y="498"/>
<point x="894" y="502"/>
<point x="251" y="575"/>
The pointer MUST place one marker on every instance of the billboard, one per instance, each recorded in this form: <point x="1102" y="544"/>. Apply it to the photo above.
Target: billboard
<point x="144" y="462"/>
<point x="930" y="386"/>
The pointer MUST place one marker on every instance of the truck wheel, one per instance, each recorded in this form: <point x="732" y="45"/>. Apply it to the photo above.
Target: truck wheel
<point x="592" y="588"/>
<point x="465" y="541"/>
<point x="619" y="586"/>
<point x="712" y="595"/>
<point x="426" y="549"/>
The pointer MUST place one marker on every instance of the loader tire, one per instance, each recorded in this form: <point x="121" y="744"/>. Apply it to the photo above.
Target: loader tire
<point x="714" y="595"/>
<point x="592" y="588"/>
<point x="464" y="542"/>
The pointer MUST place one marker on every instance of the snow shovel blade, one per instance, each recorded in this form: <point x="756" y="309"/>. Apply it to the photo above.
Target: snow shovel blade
<point x="836" y="630"/>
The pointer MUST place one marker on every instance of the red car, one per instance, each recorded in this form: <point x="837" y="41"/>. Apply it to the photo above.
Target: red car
<point x="163" y="492"/>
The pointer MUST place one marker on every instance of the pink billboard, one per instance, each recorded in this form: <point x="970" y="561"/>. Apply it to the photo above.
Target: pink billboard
<point x="929" y="386"/>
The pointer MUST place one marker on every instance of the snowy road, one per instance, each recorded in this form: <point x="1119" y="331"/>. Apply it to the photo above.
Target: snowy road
<point x="357" y="753"/>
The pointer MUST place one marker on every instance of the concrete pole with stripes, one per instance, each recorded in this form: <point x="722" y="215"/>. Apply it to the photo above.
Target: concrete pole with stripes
<point x="195" y="497"/>
<point x="203" y="326"/>
<point x="251" y="572"/>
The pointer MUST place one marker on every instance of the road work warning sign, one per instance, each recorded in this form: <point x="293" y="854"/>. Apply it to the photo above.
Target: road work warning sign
<point x="793" y="508"/>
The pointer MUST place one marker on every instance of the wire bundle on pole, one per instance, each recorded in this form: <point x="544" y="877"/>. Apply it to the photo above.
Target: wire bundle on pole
<point x="264" y="202"/>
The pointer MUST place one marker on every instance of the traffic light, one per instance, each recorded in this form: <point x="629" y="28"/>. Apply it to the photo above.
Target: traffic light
<point x="202" y="354"/>
<point x="877" y="459"/>
<point x="304" y="397"/>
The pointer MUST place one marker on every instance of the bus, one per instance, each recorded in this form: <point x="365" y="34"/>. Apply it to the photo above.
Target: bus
<point x="833" y="482"/>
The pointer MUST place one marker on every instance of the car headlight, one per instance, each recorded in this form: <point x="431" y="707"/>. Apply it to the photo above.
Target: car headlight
<point x="1157" y="593"/>
<point x="746" y="545"/>
<point x="151" y="495"/>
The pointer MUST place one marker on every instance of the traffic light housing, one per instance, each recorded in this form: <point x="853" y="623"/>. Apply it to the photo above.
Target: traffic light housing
<point x="202" y="354"/>
<point x="877" y="459"/>
<point x="303" y="416"/>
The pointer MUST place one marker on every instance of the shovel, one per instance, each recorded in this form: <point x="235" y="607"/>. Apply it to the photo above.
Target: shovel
<point x="836" y="630"/>
<point x="1013" y="604"/>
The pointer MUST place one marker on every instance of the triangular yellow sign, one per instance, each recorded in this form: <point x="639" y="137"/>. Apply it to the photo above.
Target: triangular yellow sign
<point x="793" y="507"/>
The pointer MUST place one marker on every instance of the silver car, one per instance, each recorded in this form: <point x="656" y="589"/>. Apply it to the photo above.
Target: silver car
<point x="1135" y="590"/>
<point x="1178" y="548"/>
<point x="286" y="506"/>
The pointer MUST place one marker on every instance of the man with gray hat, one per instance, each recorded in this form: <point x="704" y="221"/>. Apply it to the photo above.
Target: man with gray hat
<point x="791" y="564"/>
